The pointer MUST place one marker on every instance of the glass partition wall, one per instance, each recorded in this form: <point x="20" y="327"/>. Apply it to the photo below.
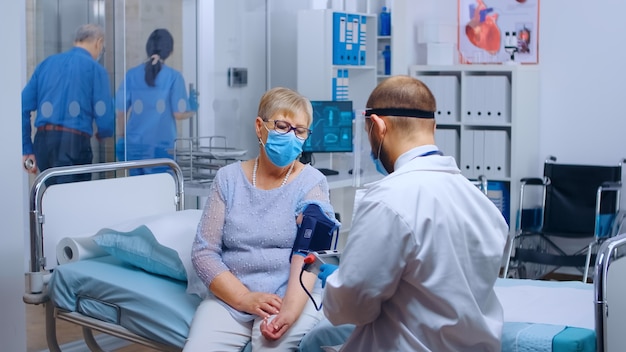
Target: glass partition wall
<point x="128" y="24"/>
<point x="51" y="27"/>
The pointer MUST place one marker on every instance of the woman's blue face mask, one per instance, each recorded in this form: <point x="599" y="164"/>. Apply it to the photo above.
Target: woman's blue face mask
<point x="282" y="149"/>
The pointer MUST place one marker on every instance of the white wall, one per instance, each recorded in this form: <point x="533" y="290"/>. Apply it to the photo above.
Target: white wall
<point x="13" y="181"/>
<point x="238" y="41"/>
<point x="582" y="75"/>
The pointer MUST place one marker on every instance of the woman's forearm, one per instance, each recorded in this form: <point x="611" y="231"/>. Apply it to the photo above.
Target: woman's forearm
<point x="229" y="289"/>
<point x="295" y="298"/>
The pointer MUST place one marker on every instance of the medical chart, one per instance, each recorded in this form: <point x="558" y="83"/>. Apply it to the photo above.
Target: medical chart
<point x="498" y="31"/>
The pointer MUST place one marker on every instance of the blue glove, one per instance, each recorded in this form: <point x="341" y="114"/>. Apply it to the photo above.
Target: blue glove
<point x="325" y="271"/>
<point x="193" y="100"/>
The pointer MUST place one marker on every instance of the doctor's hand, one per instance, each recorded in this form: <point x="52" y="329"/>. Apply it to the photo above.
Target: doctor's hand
<point x="325" y="271"/>
<point x="260" y="303"/>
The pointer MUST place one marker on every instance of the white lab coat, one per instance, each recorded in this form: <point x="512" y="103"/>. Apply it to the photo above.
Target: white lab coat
<point x="420" y="262"/>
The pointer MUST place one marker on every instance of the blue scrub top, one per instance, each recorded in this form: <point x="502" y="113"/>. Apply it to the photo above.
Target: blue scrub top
<point x="69" y="89"/>
<point x="151" y="126"/>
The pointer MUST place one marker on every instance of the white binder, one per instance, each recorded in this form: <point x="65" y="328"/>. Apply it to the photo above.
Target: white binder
<point x="466" y="161"/>
<point x="448" y="142"/>
<point x="499" y="89"/>
<point x="497" y="145"/>
<point x="450" y="111"/>
<point x="479" y="152"/>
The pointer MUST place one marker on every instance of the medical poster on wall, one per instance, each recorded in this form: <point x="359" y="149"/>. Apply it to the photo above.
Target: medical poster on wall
<point x="498" y="31"/>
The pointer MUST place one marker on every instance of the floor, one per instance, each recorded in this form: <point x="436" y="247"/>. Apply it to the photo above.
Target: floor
<point x="66" y="332"/>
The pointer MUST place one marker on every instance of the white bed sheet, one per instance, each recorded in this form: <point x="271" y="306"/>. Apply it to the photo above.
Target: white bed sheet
<point x="569" y="303"/>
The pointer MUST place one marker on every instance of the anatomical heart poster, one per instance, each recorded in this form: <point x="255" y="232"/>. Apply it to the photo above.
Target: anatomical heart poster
<point x="498" y="31"/>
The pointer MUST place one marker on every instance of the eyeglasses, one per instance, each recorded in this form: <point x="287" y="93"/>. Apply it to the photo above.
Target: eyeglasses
<point x="284" y="127"/>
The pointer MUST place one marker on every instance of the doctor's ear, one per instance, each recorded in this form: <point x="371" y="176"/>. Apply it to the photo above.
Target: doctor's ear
<point x="380" y="124"/>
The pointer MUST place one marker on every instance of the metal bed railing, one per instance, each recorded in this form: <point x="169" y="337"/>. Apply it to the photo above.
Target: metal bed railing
<point x="35" y="278"/>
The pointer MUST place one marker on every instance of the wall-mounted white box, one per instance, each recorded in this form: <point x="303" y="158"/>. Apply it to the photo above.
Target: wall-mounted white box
<point x="435" y="53"/>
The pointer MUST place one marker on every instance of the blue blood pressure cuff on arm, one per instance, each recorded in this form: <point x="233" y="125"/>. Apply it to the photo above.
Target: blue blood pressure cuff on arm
<point x="316" y="232"/>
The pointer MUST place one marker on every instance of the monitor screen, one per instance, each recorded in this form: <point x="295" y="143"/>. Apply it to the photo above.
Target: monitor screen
<point x="332" y="127"/>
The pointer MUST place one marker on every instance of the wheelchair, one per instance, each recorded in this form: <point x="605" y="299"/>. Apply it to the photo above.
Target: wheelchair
<point x="573" y="210"/>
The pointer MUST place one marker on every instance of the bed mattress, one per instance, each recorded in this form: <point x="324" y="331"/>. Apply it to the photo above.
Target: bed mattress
<point x="107" y="289"/>
<point x="540" y="316"/>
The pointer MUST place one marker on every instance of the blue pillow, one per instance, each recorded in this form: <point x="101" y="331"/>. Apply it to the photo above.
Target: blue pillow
<point x="140" y="248"/>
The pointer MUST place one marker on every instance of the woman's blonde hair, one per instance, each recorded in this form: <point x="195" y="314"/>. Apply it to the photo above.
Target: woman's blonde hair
<point x="284" y="101"/>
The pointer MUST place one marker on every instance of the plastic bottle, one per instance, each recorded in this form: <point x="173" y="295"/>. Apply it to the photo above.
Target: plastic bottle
<point x="387" y="56"/>
<point x="380" y="65"/>
<point x="385" y="22"/>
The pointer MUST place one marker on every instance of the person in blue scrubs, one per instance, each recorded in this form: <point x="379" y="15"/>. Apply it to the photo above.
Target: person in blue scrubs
<point x="149" y="101"/>
<point x="69" y="91"/>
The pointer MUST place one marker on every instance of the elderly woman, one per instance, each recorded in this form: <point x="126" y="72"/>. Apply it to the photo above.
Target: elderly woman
<point x="245" y="238"/>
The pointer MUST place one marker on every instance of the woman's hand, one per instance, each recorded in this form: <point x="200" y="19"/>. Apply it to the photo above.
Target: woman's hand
<point x="259" y="303"/>
<point x="273" y="329"/>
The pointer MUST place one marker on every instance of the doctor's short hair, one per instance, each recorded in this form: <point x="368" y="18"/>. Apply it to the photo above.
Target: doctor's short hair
<point x="402" y="92"/>
<point x="88" y="32"/>
<point x="284" y="101"/>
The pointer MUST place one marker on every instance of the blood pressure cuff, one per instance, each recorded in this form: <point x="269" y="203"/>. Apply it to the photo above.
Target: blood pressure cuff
<point x="316" y="232"/>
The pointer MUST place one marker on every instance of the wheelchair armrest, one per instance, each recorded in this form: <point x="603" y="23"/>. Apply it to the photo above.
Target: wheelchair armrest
<point x="532" y="181"/>
<point x="611" y="186"/>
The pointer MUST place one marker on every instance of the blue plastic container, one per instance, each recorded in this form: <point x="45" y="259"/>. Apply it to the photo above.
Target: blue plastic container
<point x="387" y="56"/>
<point x="385" y="22"/>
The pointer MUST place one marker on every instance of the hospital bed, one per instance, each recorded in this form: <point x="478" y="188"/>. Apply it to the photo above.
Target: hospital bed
<point x="551" y="316"/>
<point x="108" y="291"/>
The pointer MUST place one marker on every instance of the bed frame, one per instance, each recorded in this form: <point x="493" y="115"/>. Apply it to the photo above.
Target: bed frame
<point x="129" y="196"/>
<point x="609" y="289"/>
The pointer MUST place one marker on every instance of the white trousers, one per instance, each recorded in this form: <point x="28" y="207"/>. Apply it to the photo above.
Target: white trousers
<point x="214" y="329"/>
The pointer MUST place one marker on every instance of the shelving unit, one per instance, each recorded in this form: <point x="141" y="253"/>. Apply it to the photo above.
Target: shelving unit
<point x="488" y="119"/>
<point x="315" y="73"/>
<point x="381" y="42"/>
<point x="316" y="69"/>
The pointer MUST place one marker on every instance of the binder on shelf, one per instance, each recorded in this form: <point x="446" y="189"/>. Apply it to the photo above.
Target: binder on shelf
<point x="340" y="84"/>
<point x="452" y="99"/>
<point x="335" y="83"/>
<point x="352" y="39"/>
<point x="479" y="152"/>
<point x="363" y="41"/>
<point x="469" y="99"/>
<point x="447" y="139"/>
<point x="499" y="99"/>
<point x="467" y="154"/>
<point x="344" y="86"/>
<point x="497" y="148"/>
<point x="339" y="38"/>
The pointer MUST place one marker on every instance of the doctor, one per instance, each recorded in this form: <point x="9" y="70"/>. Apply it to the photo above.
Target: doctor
<point x="418" y="269"/>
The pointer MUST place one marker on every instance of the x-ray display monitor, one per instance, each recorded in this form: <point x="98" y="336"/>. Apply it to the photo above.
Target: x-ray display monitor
<point x="332" y="127"/>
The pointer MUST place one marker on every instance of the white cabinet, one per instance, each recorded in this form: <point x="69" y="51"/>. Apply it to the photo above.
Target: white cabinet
<point x="488" y="119"/>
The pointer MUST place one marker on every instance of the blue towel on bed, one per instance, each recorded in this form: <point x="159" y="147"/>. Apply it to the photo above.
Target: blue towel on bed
<point x="526" y="337"/>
